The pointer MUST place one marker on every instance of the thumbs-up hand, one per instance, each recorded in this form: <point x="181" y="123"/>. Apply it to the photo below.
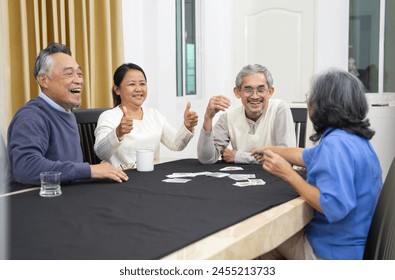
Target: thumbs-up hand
<point x="126" y="124"/>
<point x="190" y="118"/>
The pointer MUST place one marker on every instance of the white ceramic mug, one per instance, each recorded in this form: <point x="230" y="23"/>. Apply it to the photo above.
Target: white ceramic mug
<point x="145" y="160"/>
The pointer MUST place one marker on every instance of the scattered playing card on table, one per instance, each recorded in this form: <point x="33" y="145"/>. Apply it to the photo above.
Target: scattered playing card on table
<point x="217" y="174"/>
<point x="242" y="184"/>
<point x="241" y="177"/>
<point x="256" y="182"/>
<point x="181" y="175"/>
<point x="201" y="173"/>
<point x="231" y="168"/>
<point x="187" y="174"/>
<point x="176" y="180"/>
<point x="250" y="182"/>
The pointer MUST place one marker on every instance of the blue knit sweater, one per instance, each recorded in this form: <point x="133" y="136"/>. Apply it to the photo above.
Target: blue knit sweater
<point x="41" y="138"/>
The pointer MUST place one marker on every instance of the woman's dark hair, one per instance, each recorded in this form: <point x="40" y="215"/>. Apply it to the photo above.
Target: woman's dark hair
<point x="338" y="100"/>
<point x="119" y="74"/>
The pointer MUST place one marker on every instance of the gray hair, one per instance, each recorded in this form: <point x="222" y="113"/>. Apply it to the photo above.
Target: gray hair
<point x="252" y="69"/>
<point x="44" y="59"/>
<point x="338" y="100"/>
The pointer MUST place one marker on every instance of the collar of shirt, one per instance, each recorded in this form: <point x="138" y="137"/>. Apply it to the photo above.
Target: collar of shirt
<point x="328" y="131"/>
<point x="52" y="103"/>
<point x="254" y="124"/>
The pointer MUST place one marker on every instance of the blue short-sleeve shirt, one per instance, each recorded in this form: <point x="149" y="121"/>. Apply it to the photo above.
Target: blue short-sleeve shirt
<point x="347" y="172"/>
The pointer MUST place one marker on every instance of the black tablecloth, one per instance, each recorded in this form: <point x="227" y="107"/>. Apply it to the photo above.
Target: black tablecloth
<point x="143" y="218"/>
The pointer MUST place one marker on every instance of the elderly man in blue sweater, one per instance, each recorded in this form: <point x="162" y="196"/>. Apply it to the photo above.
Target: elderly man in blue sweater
<point x="43" y="134"/>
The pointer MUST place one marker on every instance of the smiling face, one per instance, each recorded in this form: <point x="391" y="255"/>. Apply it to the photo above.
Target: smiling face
<point x="254" y="94"/>
<point x="63" y="84"/>
<point x="132" y="90"/>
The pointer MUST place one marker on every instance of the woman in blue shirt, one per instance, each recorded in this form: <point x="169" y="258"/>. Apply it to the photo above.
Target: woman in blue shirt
<point x="343" y="172"/>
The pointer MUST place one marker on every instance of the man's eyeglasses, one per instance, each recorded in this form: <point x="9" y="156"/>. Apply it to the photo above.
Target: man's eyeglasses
<point x="248" y="91"/>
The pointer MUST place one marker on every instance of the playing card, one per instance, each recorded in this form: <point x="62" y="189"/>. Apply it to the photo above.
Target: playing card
<point x="256" y="182"/>
<point x="231" y="168"/>
<point x="201" y="173"/>
<point x="217" y="174"/>
<point x="241" y="177"/>
<point x="180" y="175"/>
<point x="176" y="180"/>
<point x="129" y="166"/>
<point x="242" y="184"/>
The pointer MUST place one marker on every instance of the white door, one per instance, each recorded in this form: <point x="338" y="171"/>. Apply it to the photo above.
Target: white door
<point x="278" y="34"/>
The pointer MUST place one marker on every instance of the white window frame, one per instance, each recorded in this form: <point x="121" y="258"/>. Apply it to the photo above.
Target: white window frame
<point x="198" y="52"/>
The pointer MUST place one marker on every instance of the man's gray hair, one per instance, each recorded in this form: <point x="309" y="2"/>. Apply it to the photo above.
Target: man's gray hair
<point x="252" y="69"/>
<point x="44" y="60"/>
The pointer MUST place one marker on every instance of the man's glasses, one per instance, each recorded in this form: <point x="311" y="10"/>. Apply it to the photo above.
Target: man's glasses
<point x="248" y="91"/>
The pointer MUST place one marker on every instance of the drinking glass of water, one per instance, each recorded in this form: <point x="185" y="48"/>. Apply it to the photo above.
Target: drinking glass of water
<point x="50" y="183"/>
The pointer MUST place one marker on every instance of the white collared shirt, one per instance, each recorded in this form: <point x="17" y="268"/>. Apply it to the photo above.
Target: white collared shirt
<point x="52" y="103"/>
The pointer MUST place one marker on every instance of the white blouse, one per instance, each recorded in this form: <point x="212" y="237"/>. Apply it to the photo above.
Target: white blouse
<point x="147" y="133"/>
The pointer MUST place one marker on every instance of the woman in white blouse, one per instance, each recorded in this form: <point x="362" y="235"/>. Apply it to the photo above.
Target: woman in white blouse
<point x="129" y="126"/>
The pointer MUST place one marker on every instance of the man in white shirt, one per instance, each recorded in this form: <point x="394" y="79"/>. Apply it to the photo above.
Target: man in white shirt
<point x="260" y="121"/>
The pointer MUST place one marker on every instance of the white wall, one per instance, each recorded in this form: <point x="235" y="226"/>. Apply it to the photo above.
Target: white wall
<point x="331" y="29"/>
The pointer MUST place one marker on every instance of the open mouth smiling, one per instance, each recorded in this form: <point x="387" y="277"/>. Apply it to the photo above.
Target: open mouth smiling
<point x="255" y="101"/>
<point x="75" y="90"/>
